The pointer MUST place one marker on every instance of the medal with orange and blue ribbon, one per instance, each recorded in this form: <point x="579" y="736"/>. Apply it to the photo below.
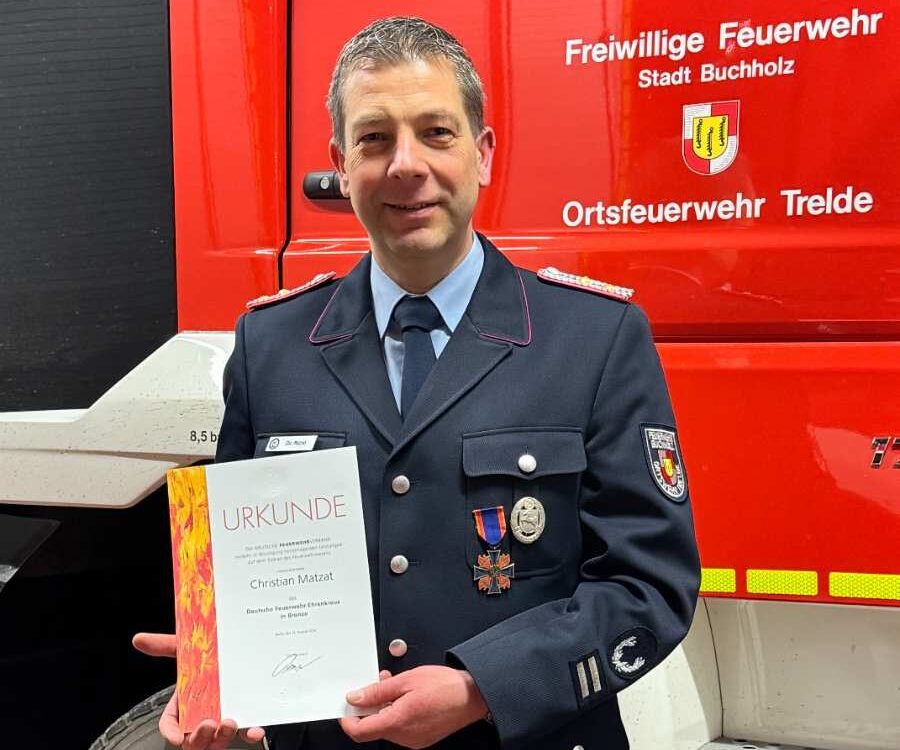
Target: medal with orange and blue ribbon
<point x="494" y="570"/>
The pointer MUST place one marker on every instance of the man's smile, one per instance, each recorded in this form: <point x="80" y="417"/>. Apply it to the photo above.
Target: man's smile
<point x="411" y="206"/>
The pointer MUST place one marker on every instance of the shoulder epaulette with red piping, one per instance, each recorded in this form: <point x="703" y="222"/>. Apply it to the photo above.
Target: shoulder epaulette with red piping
<point x="555" y="276"/>
<point x="269" y="299"/>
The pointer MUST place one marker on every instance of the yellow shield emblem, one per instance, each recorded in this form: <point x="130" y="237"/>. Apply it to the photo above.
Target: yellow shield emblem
<point x="710" y="136"/>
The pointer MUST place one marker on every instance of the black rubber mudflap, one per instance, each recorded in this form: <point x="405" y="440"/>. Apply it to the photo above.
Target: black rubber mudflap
<point x="86" y="215"/>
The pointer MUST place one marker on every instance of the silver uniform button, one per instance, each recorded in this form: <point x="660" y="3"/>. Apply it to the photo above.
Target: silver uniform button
<point x="399" y="564"/>
<point x="578" y="747"/>
<point x="398" y="648"/>
<point x="400" y="484"/>
<point x="527" y="463"/>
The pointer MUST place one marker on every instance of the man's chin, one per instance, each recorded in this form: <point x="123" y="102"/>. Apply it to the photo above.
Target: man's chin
<point x="417" y="242"/>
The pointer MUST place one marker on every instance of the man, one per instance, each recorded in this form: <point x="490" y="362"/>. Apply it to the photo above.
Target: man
<point x="530" y="540"/>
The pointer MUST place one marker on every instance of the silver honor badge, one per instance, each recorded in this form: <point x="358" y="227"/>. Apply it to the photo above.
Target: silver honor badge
<point x="527" y="520"/>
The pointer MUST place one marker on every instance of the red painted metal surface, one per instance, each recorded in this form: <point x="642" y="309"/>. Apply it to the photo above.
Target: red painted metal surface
<point x="584" y="133"/>
<point x="230" y="144"/>
<point x="693" y="288"/>
<point x="778" y="440"/>
<point x="778" y="333"/>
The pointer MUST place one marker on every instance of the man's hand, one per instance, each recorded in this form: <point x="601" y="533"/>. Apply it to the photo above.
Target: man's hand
<point x="208" y="735"/>
<point x="420" y="707"/>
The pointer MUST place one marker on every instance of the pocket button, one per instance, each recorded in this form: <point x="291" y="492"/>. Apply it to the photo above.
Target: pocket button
<point x="527" y="463"/>
<point x="399" y="564"/>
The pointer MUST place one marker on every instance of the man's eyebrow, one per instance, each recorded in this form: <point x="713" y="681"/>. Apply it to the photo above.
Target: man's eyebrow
<point x="376" y="119"/>
<point x="367" y="120"/>
<point x="441" y="114"/>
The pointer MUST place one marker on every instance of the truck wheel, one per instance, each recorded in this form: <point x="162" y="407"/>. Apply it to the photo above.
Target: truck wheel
<point x="137" y="729"/>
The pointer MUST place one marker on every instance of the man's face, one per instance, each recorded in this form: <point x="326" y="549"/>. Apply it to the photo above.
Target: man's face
<point x="411" y="165"/>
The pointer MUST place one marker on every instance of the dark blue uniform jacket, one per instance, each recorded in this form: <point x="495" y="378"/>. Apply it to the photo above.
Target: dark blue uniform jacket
<point x="567" y="376"/>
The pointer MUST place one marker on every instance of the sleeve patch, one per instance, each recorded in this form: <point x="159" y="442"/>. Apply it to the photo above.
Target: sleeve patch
<point x="269" y="299"/>
<point x="633" y="653"/>
<point x="587" y="679"/>
<point x="663" y="456"/>
<point x="586" y="283"/>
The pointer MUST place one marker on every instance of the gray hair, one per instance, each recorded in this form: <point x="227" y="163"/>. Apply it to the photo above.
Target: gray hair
<point x="393" y="41"/>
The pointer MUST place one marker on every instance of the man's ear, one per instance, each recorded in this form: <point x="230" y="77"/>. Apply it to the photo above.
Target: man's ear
<point x="485" y="143"/>
<point x="337" y="161"/>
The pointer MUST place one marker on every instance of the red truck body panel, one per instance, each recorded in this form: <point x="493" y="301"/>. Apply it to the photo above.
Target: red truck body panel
<point x="772" y="280"/>
<point x="229" y="124"/>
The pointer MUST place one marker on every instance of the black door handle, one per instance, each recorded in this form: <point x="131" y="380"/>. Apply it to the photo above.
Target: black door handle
<point x="319" y="186"/>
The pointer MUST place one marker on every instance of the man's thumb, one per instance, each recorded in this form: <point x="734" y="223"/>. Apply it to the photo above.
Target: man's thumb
<point x="154" y="644"/>
<point x="376" y="694"/>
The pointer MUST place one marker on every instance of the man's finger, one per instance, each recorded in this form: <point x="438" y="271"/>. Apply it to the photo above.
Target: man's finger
<point x="378" y="693"/>
<point x="367" y="728"/>
<point x="154" y="644"/>
<point x="224" y="733"/>
<point x="383" y="675"/>
<point x="200" y="738"/>
<point x="348" y="723"/>
<point x="168" y="722"/>
<point x="253" y="734"/>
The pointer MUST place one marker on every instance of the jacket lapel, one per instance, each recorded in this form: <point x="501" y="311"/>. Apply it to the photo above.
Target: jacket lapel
<point x="348" y="342"/>
<point x="495" y="321"/>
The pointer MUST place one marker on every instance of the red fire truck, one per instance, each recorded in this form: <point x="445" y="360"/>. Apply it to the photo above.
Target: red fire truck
<point x="736" y="164"/>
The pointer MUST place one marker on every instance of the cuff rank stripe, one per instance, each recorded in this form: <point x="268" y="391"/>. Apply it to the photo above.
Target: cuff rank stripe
<point x="586" y="678"/>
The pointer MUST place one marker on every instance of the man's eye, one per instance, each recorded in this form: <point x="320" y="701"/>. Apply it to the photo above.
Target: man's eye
<point x="371" y="138"/>
<point x="440" y="132"/>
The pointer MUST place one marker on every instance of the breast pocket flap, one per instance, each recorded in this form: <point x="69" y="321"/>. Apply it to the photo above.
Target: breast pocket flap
<point x="524" y="453"/>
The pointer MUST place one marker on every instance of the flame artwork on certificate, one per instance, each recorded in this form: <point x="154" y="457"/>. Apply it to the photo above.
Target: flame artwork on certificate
<point x="195" y="605"/>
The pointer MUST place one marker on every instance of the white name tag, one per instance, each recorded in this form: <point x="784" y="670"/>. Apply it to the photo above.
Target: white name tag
<point x="284" y="443"/>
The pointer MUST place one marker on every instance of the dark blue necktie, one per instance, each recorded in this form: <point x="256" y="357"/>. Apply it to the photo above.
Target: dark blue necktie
<point x="417" y="318"/>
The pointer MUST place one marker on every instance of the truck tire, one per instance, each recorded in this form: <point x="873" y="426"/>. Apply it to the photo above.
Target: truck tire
<point x="137" y="729"/>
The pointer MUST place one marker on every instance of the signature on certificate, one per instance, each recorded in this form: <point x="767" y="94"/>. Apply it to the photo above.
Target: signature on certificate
<point x="293" y="663"/>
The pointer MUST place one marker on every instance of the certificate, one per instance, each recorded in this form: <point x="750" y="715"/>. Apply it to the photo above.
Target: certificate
<point x="273" y="604"/>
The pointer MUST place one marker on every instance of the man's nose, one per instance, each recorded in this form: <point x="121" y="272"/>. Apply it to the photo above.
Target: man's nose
<point x="407" y="160"/>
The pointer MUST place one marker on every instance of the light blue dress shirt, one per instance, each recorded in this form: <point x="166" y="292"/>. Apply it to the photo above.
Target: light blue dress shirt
<point x="450" y="296"/>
